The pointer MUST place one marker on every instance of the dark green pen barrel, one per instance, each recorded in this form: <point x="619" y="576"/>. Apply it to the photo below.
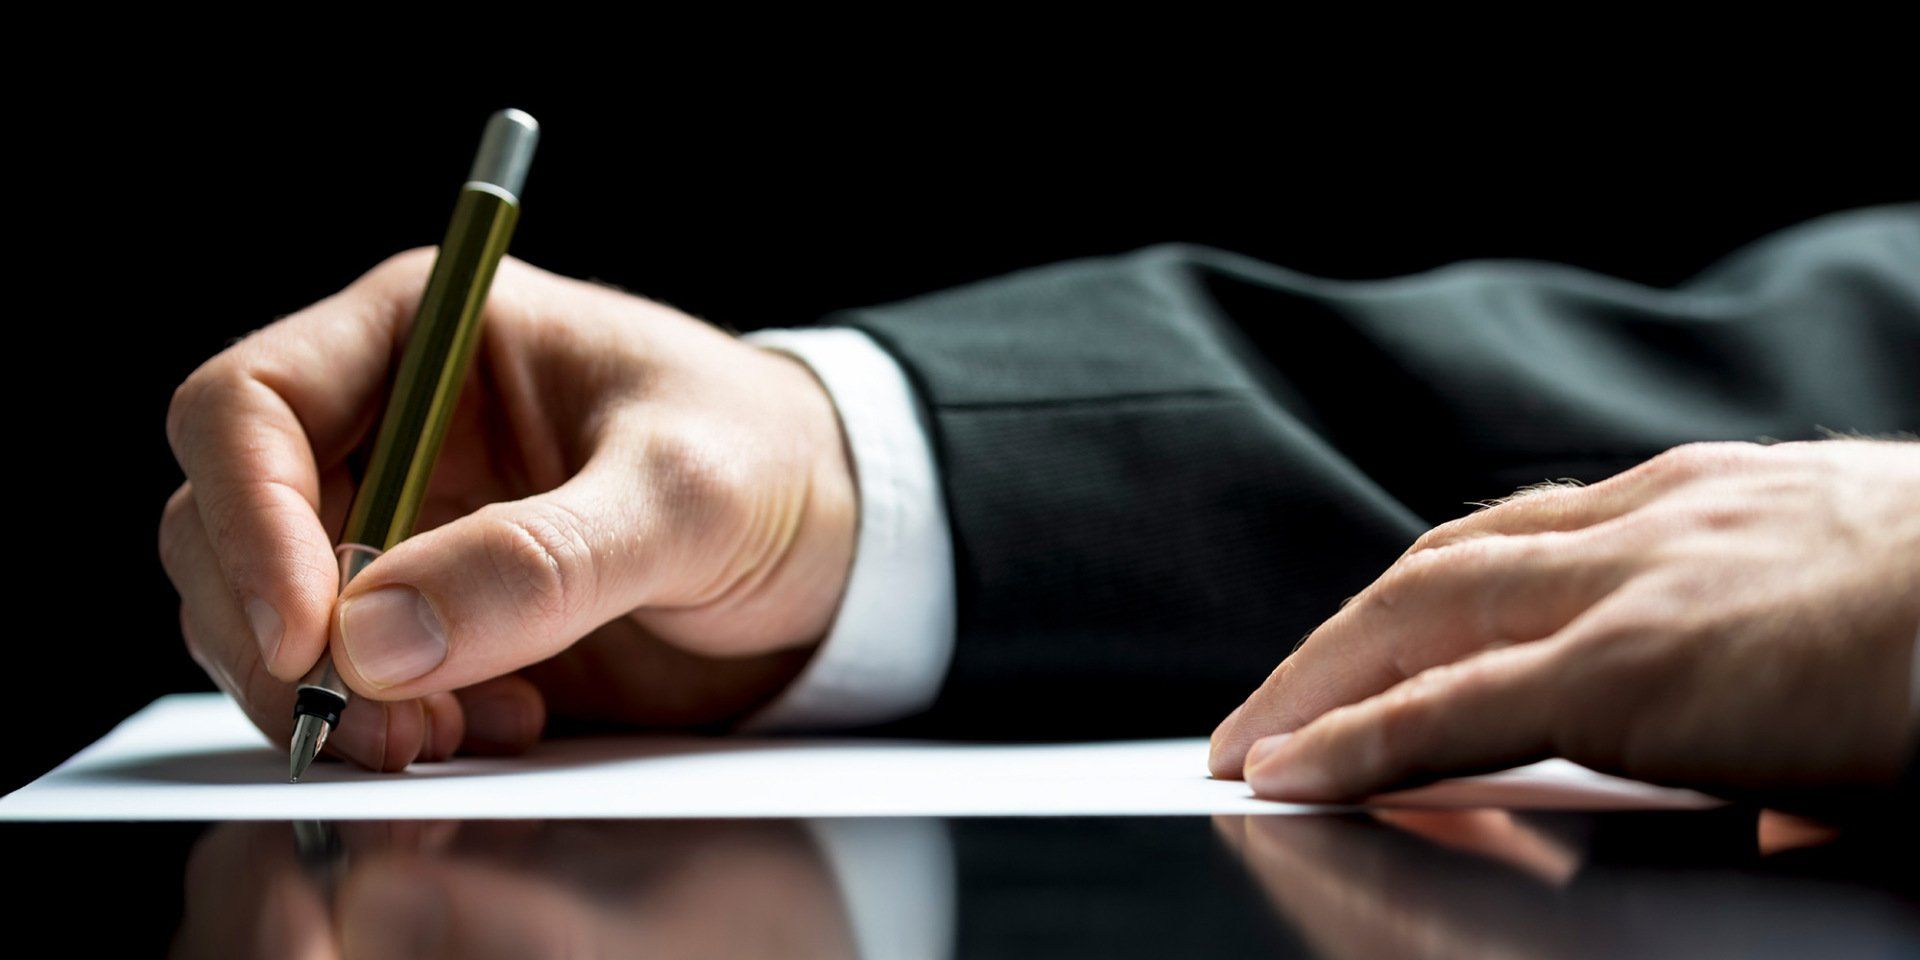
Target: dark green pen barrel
<point x="433" y="368"/>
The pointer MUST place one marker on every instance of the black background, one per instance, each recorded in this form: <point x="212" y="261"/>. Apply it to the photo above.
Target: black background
<point x="169" y="216"/>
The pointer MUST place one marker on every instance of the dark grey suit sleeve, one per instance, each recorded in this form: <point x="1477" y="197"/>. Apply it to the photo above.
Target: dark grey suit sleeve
<point x="1162" y="469"/>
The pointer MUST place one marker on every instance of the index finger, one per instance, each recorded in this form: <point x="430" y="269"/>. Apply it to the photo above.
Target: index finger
<point x="253" y="426"/>
<point x="1430" y="608"/>
<point x="1489" y="712"/>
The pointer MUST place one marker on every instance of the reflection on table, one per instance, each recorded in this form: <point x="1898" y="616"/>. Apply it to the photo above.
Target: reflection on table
<point x="1469" y="883"/>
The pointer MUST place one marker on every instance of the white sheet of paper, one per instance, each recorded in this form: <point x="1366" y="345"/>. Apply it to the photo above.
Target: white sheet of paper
<point x="197" y="757"/>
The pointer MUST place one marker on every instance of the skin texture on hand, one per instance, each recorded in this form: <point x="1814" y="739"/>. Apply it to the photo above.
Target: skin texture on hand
<point x="636" y="519"/>
<point x="1735" y="618"/>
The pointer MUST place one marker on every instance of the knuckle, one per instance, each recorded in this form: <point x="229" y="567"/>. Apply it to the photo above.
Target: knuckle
<point x="1413" y="696"/>
<point x="1387" y="592"/>
<point x="189" y="403"/>
<point x="1696" y="459"/>
<point x="198" y="400"/>
<point x="1443" y="534"/>
<point x="1674" y="462"/>
<point x="1717" y="515"/>
<point x="1448" y="562"/>
<point x="1403" y="582"/>
<point x="542" y="558"/>
<point x="1516" y="559"/>
<point x="403" y="267"/>
<point x="174" y="532"/>
<point x="1400" y="728"/>
<point x="689" y="479"/>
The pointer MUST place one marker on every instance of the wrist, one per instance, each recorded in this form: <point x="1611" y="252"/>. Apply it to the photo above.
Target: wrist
<point x="891" y="634"/>
<point x="824" y="534"/>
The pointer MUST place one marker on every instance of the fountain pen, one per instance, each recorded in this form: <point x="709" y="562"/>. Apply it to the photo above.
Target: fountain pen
<point x="426" y="386"/>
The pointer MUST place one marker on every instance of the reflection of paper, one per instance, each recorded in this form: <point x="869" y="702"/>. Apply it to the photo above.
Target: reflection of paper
<point x="197" y="757"/>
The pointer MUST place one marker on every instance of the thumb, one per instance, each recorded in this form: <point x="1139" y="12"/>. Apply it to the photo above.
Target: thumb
<point x="506" y="586"/>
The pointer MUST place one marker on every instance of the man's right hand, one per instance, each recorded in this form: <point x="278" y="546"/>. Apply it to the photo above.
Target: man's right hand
<point x="635" y="519"/>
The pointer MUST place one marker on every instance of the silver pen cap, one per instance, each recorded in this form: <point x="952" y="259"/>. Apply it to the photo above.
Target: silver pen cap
<point x="506" y="151"/>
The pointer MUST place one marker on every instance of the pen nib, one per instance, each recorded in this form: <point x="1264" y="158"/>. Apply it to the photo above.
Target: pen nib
<point x="309" y="735"/>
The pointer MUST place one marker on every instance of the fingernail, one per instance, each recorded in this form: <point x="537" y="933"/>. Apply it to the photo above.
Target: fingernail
<point x="267" y="626"/>
<point x="1289" y="781"/>
<point x="1272" y="776"/>
<point x="392" y="635"/>
<point x="1264" y="748"/>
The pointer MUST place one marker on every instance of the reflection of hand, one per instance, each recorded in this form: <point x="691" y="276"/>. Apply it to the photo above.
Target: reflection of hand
<point x="1483" y="886"/>
<point x="635" y="519"/>
<point x="1489" y="883"/>
<point x="1732" y="617"/>
<point x="247" y="893"/>
<point x="482" y="889"/>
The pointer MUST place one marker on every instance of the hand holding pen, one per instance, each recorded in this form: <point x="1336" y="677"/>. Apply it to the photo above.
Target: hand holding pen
<point x="634" y="519"/>
<point x="446" y="331"/>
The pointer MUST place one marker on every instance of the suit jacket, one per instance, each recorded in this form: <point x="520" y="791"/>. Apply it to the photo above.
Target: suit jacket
<point x="1163" y="469"/>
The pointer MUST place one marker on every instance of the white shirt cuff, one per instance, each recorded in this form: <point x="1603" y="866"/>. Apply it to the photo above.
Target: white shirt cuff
<point x="896" y="879"/>
<point x="886" y="654"/>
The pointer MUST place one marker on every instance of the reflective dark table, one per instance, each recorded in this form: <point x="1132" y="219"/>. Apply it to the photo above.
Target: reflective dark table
<point x="1471" y="883"/>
